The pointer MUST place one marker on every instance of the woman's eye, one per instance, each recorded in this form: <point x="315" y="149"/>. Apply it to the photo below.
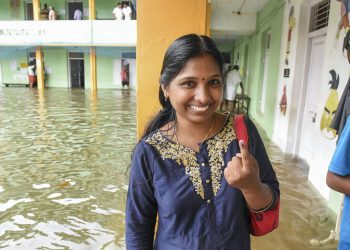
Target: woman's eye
<point x="188" y="84"/>
<point x="215" y="82"/>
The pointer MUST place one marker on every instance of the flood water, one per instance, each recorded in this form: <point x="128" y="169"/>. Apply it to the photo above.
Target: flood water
<point x="63" y="162"/>
<point x="304" y="215"/>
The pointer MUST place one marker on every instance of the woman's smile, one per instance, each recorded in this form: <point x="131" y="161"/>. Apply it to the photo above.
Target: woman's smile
<point x="195" y="92"/>
<point x="199" y="108"/>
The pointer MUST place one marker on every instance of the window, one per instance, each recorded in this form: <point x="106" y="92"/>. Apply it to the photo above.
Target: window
<point x="319" y="15"/>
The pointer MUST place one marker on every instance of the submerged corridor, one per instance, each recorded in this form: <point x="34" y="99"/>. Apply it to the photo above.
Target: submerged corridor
<point x="64" y="156"/>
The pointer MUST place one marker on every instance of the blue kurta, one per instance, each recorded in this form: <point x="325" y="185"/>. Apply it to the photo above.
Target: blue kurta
<point x="196" y="207"/>
<point x="340" y="165"/>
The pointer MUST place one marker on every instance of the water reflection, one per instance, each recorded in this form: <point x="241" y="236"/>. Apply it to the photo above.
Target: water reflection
<point x="64" y="154"/>
<point x="63" y="158"/>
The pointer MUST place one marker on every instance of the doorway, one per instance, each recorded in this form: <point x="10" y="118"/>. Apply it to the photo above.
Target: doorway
<point x="28" y="11"/>
<point x="76" y="70"/>
<point x="311" y="95"/>
<point x="71" y="7"/>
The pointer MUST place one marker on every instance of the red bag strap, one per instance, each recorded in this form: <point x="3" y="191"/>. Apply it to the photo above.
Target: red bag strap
<point x="266" y="221"/>
<point x="241" y="129"/>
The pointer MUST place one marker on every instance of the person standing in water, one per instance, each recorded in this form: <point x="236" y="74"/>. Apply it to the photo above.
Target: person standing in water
<point x="189" y="169"/>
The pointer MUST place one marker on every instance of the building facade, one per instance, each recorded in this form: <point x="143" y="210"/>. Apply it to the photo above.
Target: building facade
<point x="296" y="71"/>
<point x="67" y="46"/>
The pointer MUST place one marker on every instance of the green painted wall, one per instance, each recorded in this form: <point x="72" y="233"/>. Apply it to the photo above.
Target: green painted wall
<point x="104" y="9"/>
<point x="56" y="66"/>
<point x="6" y="13"/>
<point x="14" y="68"/>
<point x="105" y="72"/>
<point x="57" y="60"/>
<point x="269" y="18"/>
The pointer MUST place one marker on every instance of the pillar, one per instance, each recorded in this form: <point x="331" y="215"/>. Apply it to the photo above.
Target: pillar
<point x="36" y="10"/>
<point x="93" y="78"/>
<point x="159" y="23"/>
<point x="40" y="69"/>
<point x="38" y="52"/>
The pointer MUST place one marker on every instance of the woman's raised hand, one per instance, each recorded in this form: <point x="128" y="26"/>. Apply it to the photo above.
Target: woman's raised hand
<point x="242" y="171"/>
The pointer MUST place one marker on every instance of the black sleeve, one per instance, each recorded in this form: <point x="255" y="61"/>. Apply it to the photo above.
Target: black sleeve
<point x="141" y="205"/>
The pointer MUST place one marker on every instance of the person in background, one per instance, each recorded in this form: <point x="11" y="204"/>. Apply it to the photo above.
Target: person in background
<point x="78" y="14"/>
<point x="189" y="168"/>
<point x="32" y="74"/>
<point x="52" y="13"/>
<point x="338" y="179"/>
<point x="227" y="68"/>
<point x="118" y="12"/>
<point x="127" y="11"/>
<point x="232" y="81"/>
<point x="125" y="73"/>
<point x="44" y="13"/>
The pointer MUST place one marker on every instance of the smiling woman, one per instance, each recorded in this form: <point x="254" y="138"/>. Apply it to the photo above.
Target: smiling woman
<point x="195" y="94"/>
<point x="189" y="169"/>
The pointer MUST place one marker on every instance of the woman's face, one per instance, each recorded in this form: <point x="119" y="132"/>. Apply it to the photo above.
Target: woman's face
<point x="195" y="93"/>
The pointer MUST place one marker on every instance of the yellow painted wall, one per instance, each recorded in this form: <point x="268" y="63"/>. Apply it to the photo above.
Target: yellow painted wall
<point x="159" y="23"/>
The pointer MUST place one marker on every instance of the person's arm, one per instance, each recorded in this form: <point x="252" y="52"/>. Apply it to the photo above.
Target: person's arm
<point x="338" y="176"/>
<point x="338" y="183"/>
<point x="241" y="85"/>
<point x="259" y="198"/>
<point x="267" y="175"/>
<point x="252" y="172"/>
<point x="141" y="205"/>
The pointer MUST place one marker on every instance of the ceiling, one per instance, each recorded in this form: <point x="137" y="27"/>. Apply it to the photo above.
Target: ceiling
<point x="235" y="14"/>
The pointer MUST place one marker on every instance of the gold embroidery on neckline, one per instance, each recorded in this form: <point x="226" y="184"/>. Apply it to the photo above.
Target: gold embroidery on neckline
<point x="216" y="146"/>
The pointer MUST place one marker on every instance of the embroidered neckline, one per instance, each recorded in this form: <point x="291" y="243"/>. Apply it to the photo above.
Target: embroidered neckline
<point x="228" y="120"/>
<point x="216" y="146"/>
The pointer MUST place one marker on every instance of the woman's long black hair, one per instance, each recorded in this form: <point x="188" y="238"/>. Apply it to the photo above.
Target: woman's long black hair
<point x="177" y="55"/>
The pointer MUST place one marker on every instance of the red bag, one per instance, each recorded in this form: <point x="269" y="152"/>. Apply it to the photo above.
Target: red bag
<point x="263" y="222"/>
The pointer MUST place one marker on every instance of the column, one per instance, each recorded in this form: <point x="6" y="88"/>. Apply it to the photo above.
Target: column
<point x="93" y="78"/>
<point x="159" y="23"/>
<point x="38" y="53"/>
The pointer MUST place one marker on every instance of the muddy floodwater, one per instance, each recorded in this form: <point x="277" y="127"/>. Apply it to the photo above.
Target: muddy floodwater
<point x="64" y="156"/>
<point x="304" y="215"/>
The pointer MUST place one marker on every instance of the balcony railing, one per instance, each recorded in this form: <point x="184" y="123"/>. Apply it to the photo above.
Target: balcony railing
<point x="65" y="33"/>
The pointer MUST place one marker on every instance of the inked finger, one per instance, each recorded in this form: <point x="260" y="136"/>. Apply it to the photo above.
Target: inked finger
<point x="244" y="151"/>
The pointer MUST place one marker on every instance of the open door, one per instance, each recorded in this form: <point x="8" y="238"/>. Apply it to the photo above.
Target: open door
<point x="71" y="7"/>
<point x="76" y="70"/>
<point x="28" y="11"/>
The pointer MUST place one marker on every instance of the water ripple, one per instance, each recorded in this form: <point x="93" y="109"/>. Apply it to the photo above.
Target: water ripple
<point x="64" y="157"/>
